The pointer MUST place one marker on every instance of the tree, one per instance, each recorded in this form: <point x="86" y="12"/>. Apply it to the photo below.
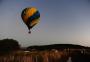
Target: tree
<point x="8" y="45"/>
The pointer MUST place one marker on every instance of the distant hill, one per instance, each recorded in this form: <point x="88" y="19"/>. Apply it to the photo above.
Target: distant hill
<point x="56" y="46"/>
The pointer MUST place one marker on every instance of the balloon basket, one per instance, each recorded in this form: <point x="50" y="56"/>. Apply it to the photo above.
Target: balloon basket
<point x="29" y="32"/>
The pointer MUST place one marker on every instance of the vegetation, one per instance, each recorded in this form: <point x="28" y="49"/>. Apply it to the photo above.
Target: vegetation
<point x="55" y="46"/>
<point x="8" y="45"/>
<point x="10" y="51"/>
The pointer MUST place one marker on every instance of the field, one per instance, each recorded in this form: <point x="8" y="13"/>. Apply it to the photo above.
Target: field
<point x="35" y="56"/>
<point x="45" y="56"/>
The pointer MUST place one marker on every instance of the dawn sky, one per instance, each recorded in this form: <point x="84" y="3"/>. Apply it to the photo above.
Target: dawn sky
<point x="61" y="21"/>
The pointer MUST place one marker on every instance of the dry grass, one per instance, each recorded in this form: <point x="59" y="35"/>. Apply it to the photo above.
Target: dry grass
<point x="35" y="56"/>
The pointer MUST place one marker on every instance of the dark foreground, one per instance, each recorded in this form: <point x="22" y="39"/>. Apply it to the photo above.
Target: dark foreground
<point x="53" y="55"/>
<point x="10" y="51"/>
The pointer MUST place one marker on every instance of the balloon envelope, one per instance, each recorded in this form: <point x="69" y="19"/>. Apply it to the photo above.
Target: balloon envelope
<point x="30" y="16"/>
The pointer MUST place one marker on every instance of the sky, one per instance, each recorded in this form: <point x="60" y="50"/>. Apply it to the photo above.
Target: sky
<point x="61" y="22"/>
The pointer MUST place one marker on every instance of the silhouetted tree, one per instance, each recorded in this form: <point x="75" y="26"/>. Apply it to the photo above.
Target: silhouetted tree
<point x="7" y="45"/>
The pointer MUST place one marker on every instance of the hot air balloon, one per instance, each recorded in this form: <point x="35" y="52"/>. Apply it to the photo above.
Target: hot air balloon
<point x="30" y="17"/>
